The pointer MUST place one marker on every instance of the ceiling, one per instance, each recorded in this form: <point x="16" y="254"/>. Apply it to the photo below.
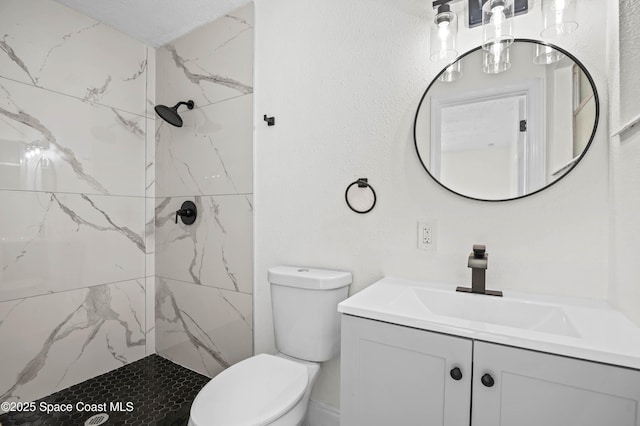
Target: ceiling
<point x="154" y="22"/>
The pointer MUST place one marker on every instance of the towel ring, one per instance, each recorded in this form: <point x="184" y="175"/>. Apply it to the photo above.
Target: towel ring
<point x="362" y="183"/>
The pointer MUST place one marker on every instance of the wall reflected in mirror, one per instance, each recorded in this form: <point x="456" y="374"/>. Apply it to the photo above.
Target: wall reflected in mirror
<point x="509" y="133"/>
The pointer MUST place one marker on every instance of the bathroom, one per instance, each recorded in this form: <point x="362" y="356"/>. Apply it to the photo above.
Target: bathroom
<point x="96" y="274"/>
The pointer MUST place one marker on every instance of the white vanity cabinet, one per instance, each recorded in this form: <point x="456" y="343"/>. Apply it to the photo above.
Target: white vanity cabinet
<point x="394" y="375"/>
<point x="533" y="388"/>
<point x="398" y="375"/>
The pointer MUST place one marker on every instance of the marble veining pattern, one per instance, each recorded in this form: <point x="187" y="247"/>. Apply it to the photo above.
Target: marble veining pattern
<point x="52" y="142"/>
<point x="204" y="328"/>
<point x="66" y="241"/>
<point x="212" y="63"/>
<point x="61" y="55"/>
<point x="77" y="182"/>
<point x="212" y="153"/>
<point x="204" y="272"/>
<point x="91" y="331"/>
<point x="210" y="78"/>
<point x="215" y="251"/>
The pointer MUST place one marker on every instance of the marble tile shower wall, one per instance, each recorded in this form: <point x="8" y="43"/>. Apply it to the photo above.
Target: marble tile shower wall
<point x="204" y="279"/>
<point x="75" y="299"/>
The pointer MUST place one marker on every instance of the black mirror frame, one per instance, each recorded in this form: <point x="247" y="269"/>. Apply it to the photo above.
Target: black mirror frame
<point x="584" y="152"/>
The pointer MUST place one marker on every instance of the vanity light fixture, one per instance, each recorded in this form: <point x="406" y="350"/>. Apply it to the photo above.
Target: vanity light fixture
<point x="497" y="25"/>
<point x="444" y="32"/>
<point x="559" y="17"/>
<point x="495" y="17"/>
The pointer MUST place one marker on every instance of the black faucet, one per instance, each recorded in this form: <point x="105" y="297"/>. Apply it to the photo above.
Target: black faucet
<point x="478" y="262"/>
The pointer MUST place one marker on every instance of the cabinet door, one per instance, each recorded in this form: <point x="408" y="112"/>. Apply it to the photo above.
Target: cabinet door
<point x="533" y="389"/>
<point x="394" y="375"/>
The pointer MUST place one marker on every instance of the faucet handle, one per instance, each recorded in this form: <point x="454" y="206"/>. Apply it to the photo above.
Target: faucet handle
<point x="479" y="250"/>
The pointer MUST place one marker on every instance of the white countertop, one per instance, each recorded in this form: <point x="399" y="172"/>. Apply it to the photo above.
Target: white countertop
<point x="591" y="330"/>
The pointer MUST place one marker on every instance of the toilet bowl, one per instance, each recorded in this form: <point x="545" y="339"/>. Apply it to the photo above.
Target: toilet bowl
<point x="274" y="389"/>
<point x="262" y="390"/>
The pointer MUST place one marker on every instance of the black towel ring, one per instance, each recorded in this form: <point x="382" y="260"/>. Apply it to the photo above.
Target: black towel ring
<point x="362" y="183"/>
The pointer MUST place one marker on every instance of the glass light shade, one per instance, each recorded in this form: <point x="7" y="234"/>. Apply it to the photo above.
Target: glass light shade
<point x="497" y="22"/>
<point x="496" y="61"/>
<point x="546" y="55"/>
<point x="559" y="18"/>
<point x="444" y="32"/>
<point x="452" y="73"/>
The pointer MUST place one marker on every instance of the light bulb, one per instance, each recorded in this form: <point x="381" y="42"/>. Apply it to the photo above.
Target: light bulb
<point x="443" y="30"/>
<point x="497" y="14"/>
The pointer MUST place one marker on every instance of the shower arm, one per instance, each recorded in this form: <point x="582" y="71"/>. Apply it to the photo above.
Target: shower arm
<point x="189" y="104"/>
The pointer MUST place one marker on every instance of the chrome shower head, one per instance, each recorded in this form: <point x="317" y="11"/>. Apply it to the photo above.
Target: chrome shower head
<point x="170" y="114"/>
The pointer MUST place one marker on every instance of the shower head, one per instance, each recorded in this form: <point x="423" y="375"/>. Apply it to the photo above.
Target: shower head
<point x="170" y="114"/>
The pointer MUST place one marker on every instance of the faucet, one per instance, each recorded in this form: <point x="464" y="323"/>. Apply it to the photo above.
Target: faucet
<point x="478" y="262"/>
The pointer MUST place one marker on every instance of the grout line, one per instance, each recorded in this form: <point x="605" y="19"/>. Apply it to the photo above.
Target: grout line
<point x="203" y="285"/>
<point x="80" y="99"/>
<point x="197" y="107"/>
<point x="93" y="194"/>
<point x="202" y="195"/>
<point x="48" y="293"/>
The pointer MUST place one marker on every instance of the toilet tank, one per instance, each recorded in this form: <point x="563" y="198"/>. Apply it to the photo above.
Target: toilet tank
<point x="305" y="310"/>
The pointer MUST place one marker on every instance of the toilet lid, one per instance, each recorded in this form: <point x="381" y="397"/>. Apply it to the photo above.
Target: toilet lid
<point x="253" y="392"/>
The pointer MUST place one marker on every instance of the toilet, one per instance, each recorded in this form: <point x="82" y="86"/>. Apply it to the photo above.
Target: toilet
<point x="274" y="389"/>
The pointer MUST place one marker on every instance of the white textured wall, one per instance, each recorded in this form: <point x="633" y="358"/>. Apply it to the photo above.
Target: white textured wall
<point x="343" y="80"/>
<point x="625" y="159"/>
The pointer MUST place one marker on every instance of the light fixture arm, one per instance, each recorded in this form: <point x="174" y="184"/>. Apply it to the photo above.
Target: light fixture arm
<point x="437" y="3"/>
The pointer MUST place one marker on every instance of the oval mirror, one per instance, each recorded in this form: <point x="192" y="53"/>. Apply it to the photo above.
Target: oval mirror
<point x="504" y="124"/>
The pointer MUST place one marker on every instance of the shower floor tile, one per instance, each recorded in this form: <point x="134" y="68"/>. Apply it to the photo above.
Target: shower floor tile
<point x="151" y="391"/>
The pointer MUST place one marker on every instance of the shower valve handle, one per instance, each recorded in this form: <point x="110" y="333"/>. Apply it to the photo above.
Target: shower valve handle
<point x="183" y="213"/>
<point x="188" y="212"/>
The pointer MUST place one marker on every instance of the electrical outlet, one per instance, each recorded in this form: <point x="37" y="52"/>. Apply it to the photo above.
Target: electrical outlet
<point x="426" y="235"/>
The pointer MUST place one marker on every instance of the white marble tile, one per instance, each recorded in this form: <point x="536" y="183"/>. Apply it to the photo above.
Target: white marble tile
<point x="151" y="81"/>
<point x="211" y="154"/>
<point x="53" y="142"/>
<point x="210" y="64"/>
<point x="150" y="203"/>
<point x="54" y="242"/>
<point x="149" y="236"/>
<point x="202" y="328"/>
<point x="216" y="251"/>
<point x="150" y="314"/>
<point x="46" y="44"/>
<point x="56" y="340"/>
<point x="152" y="139"/>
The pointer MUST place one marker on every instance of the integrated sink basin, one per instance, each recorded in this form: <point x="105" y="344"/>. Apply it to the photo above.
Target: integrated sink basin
<point x="579" y="328"/>
<point x="486" y="309"/>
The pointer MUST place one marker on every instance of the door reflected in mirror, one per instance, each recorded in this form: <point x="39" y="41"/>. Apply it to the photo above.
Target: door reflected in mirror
<point x="506" y="135"/>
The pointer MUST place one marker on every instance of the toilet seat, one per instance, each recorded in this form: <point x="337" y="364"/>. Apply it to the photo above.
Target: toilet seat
<point x="253" y="392"/>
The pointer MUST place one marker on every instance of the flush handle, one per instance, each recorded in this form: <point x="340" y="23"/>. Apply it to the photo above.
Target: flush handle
<point x="487" y="380"/>
<point x="456" y="373"/>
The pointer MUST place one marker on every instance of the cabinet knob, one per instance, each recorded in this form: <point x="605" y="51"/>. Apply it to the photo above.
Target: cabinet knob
<point x="455" y="373"/>
<point x="487" y="380"/>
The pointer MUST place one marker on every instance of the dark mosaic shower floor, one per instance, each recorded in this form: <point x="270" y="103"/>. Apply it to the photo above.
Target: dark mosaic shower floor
<point x="160" y="391"/>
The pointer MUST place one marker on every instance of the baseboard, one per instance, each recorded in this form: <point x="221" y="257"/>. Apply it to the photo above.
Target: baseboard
<point x="320" y="414"/>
